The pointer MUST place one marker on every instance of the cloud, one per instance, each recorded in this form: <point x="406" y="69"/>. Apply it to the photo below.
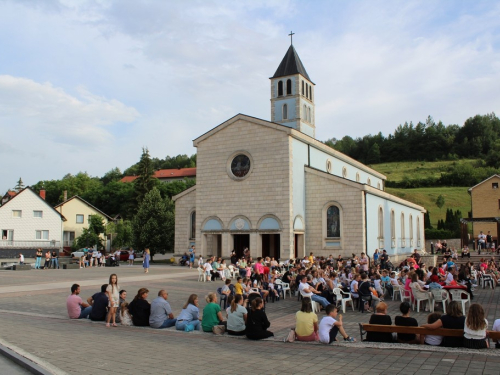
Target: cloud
<point x="50" y="112"/>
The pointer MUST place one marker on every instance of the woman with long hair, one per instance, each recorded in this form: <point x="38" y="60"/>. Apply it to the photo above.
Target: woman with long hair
<point x="114" y="298"/>
<point x="237" y="316"/>
<point x="190" y="315"/>
<point x="453" y="319"/>
<point x="140" y="308"/>
<point x="145" y="262"/>
<point x="306" y="322"/>
<point x="257" y="322"/>
<point x="212" y="315"/>
<point x="475" y="328"/>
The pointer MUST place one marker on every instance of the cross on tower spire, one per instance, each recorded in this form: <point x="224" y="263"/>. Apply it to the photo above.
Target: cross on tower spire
<point x="291" y="36"/>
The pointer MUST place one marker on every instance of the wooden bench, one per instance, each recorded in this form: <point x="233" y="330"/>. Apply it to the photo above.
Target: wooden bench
<point x="364" y="328"/>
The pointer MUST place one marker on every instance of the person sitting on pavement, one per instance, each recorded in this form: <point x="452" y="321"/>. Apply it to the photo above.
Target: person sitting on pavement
<point x="125" y="317"/>
<point x="453" y="319"/>
<point x="99" y="303"/>
<point x="306" y="322"/>
<point x="380" y="317"/>
<point x="308" y="291"/>
<point x="190" y="315"/>
<point x="237" y="316"/>
<point x="257" y="322"/>
<point x="77" y="309"/>
<point x="161" y="315"/>
<point x="212" y="315"/>
<point x="406" y="321"/>
<point x="140" y="308"/>
<point x="330" y="326"/>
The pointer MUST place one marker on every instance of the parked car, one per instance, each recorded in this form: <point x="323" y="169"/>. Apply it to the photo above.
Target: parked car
<point x="124" y="255"/>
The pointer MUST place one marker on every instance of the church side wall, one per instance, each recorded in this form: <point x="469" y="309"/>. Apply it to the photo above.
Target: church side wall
<point x="265" y="191"/>
<point x="400" y="244"/>
<point x="183" y="208"/>
<point x="319" y="192"/>
<point x="319" y="160"/>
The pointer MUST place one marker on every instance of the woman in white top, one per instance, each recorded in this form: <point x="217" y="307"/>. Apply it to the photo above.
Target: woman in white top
<point x="475" y="328"/>
<point x="354" y="286"/>
<point x="237" y="316"/>
<point x="113" y="292"/>
<point x="131" y="257"/>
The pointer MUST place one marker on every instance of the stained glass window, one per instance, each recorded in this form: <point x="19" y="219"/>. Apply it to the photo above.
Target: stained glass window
<point x="333" y="222"/>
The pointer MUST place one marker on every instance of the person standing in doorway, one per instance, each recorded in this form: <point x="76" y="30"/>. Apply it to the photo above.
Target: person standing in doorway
<point x="145" y="263"/>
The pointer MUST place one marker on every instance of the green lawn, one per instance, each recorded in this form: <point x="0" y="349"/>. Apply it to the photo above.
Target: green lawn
<point x="456" y="198"/>
<point x="396" y="171"/>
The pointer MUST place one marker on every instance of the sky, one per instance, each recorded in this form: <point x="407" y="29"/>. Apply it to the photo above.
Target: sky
<point x="85" y="85"/>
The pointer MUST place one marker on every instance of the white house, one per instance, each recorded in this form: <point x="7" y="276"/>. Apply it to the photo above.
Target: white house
<point x="27" y="221"/>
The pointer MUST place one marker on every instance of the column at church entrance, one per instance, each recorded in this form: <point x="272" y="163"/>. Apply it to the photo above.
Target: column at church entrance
<point x="271" y="246"/>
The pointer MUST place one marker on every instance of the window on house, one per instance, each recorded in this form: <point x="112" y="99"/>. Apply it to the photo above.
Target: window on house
<point x="8" y="234"/>
<point x="494" y="185"/>
<point x="38" y="214"/>
<point x="289" y="87"/>
<point x="17" y="213"/>
<point x="303" y="88"/>
<point x="79" y="219"/>
<point x="280" y="88"/>
<point x="285" y="112"/>
<point x="42" y="234"/>
<point x="333" y="222"/>
<point x="307" y="90"/>
<point x="192" y="231"/>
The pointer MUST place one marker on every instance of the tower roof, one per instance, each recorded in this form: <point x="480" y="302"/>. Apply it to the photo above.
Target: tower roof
<point x="290" y="65"/>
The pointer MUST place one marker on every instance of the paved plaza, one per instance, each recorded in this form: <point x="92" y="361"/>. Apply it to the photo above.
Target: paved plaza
<point x="34" y="321"/>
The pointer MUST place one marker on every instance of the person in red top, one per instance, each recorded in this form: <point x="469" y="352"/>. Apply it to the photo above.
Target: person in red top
<point x="77" y="309"/>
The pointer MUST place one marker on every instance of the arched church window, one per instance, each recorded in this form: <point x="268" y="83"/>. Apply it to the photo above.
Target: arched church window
<point x="310" y="117"/>
<point x="418" y="230"/>
<point x="280" y="88"/>
<point x="378" y="185"/>
<point x="344" y="172"/>
<point x="310" y="93"/>
<point x="289" y="87"/>
<point x="192" y="226"/>
<point x="369" y="182"/>
<point x="307" y="90"/>
<point x="303" y="88"/>
<point x="305" y="113"/>
<point x="285" y="112"/>
<point x="380" y="226"/>
<point x="403" y="239"/>
<point x="393" y="229"/>
<point x="357" y="177"/>
<point x="411" y="229"/>
<point x="333" y="222"/>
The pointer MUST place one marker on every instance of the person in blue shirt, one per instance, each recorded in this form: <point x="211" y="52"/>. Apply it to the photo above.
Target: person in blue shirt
<point x="189" y="316"/>
<point x="387" y="281"/>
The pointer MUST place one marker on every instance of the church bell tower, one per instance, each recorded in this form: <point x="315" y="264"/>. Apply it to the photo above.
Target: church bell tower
<point x="292" y="95"/>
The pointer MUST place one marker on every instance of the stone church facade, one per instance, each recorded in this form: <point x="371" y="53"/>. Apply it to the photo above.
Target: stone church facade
<point x="272" y="187"/>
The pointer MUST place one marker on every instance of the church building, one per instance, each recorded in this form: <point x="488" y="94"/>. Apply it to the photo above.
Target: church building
<point x="272" y="187"/>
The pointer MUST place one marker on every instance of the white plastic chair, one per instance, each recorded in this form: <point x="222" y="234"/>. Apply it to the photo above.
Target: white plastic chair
<point x="405" y="294"/>
<point x="440" y="295"/>
<point x="202" y="276"/>
<point x="232" y="271"/>
<point x="419" y="296"/>
<point x="285" y="287"/>
<point x="343" y="297"/>
<point x="456" y="295"/>
<point x="314" y="304"/>
<point x="395" y="290"/>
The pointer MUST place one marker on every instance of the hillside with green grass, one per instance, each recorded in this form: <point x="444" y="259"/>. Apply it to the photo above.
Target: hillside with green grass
<point x="456" y="197"/>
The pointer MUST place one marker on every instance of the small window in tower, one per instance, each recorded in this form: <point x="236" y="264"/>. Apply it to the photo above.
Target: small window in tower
<point x="303" y="88"/>
<point x="310" y="93"/>
<point x="280" y="88"/>
<point x="289" y="87"/>
<point x="305" y="113"/>
<point x="494" y="185"/>
<point x="307" y="90"/>
<point x="309" y="115"/>
<point x="285" y="112"/>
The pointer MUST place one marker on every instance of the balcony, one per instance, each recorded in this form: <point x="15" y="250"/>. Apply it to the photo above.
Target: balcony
<point x="13" y="244"/>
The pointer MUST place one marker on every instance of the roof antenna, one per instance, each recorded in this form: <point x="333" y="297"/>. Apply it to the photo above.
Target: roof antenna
<point x="291" y="36"/>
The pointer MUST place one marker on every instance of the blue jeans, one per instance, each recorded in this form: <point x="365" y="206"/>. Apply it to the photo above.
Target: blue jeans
<point x="38" y="262"/>
<point x="182" y="324"/>
<point x="168" y="323"/>
<point x="55" y="263"/>
<point x="85" y="312"/>
<point x="324" y="302"/>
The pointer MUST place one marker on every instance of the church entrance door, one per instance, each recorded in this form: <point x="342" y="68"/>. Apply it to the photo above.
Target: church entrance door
<point x="271" y="245"/>
<point x="298" y="245"/>
<point x="240" y="241"/>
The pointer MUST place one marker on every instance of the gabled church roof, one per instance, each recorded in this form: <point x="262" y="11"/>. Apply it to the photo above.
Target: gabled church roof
<point x="290" y="65"/>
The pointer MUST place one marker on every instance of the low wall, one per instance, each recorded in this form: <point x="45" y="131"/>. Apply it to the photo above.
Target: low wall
<point x="453" y="242"/>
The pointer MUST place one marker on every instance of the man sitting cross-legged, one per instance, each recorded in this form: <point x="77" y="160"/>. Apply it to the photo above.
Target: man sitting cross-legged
<point x="161" y="315"/>
<point x="308" y="291"/>
<point x="77" y="309"/>
<point x="99" y="303"/>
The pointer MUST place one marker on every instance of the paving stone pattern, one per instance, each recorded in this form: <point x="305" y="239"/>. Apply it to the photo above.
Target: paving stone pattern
<point x="37" y="322"/>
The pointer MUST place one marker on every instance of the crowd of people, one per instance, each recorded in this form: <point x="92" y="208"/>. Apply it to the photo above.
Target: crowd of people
<point x="312" y="279"/>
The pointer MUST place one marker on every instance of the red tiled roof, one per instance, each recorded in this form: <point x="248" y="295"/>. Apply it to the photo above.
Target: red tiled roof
<point x="167" y="173"/>
<point x="11" y="193"/>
